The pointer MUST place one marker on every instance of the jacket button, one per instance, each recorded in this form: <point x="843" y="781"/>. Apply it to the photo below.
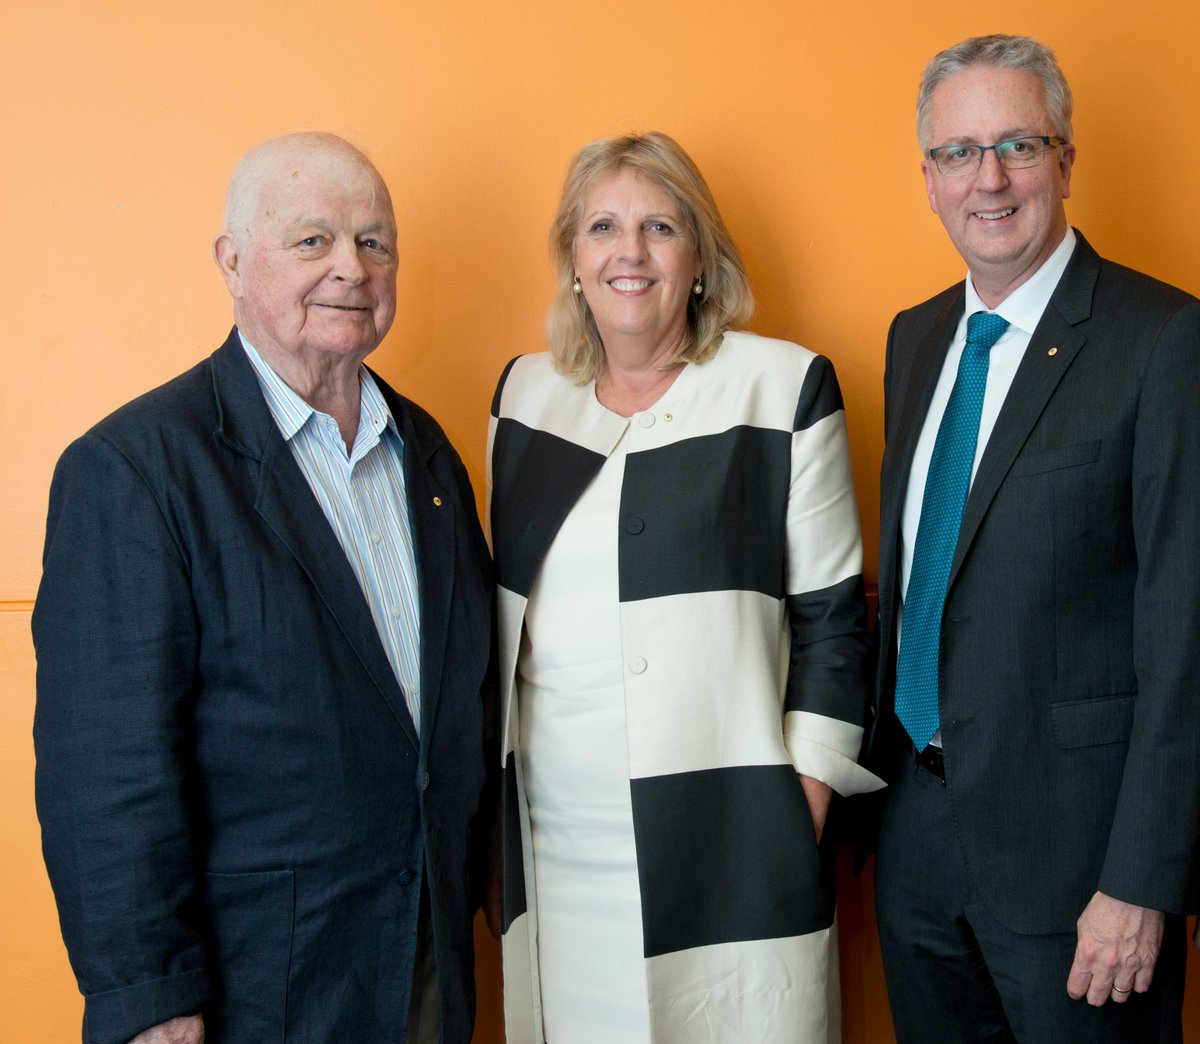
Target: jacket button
<point x="638" y="665"/>
<point x="425" y="781"/>
<point x="407" y="877"/>
<point x="635" y="526"/>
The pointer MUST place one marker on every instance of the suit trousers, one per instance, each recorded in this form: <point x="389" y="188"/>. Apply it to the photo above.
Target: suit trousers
<point x="955" y="973"/>
<point x="423" y="1002"/>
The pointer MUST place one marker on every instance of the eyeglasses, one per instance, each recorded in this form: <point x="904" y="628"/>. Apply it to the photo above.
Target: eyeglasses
<point x="958" y="160"/>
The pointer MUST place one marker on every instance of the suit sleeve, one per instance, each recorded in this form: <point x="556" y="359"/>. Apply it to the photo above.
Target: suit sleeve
<point x="1153" y="856"/>
<point x="826" y="701"/>
<point x="115" y="633"/>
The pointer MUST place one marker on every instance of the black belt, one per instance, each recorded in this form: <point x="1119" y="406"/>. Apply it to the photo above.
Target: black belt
<point x="930" y="759"/>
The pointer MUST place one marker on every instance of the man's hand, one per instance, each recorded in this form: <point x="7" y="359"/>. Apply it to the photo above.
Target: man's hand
<point x="187" y="1029"/>
<point x="1117" y="950"/>
<point x="819" y="795"/>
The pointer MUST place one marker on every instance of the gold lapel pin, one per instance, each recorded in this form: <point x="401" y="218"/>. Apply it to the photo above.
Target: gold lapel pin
<point x="1053" y="352"/>
<point x="437" y="501"/>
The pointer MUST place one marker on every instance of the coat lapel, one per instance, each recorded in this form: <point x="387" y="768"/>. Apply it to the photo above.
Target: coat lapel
<point x="913" y="394"/>
<point x="289" y="509"/>
<point x="432" y="511"/>
<point x="1052" y="349"/>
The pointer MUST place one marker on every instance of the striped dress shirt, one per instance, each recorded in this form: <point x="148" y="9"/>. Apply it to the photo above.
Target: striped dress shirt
<point x="363" y="497"/>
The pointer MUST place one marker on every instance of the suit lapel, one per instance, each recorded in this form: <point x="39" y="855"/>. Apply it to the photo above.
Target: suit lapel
<point x="433" y="514"/>
<point x="917" y="376"/>
<point x="289" y="509"/>
<point x="1052" y="349"/>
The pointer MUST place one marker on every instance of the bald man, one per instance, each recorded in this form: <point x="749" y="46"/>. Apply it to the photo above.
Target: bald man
<point x="262" y="637"/>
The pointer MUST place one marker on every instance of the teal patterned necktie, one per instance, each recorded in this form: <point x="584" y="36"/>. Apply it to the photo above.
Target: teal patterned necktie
<point x="937" y="533"/>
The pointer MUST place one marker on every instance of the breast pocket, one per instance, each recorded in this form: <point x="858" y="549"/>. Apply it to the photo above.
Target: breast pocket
<point x="1059" y="458"/>
<point x="250" y="918"/>
<point x="1093" y="722"/>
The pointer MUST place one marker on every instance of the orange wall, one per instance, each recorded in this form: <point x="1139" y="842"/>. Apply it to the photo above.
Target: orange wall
<point x="124" y="120"/>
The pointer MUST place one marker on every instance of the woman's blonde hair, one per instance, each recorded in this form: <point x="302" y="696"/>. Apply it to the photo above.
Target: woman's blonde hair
<point x="726" y="300"/>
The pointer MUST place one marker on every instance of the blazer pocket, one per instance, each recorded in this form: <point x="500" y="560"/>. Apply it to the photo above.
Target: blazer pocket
<point x="1093" y="722"/>
<point x="1057" y="459"/>
<point x="250" y="919"/>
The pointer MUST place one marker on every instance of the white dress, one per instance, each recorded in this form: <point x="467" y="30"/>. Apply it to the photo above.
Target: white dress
<point x="572" y="705"/>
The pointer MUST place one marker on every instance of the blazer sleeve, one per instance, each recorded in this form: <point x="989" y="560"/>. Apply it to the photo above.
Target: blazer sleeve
<point x="826" y="700"/>
<point x="1153" y="855"/>
<point x="115" y="633"/>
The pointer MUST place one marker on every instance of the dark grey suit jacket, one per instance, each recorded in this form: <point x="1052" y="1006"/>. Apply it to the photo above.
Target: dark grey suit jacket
<point x="237" y="813"/>
<point x="1070" y="665"/>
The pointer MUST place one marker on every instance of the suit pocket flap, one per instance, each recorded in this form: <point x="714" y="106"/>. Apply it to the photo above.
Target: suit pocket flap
<point x="1094" y="722"/>
<point x="1056" y="459"/>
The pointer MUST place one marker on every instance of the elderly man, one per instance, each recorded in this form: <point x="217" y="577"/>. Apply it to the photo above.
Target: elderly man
<point x="1039" y="591"/>
<point x="262" y="635"/>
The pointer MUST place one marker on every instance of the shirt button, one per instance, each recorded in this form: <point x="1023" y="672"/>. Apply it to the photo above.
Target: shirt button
<point x="635" y="526"/>
<point x="395" y="612"/>
<point x="407" y="877"/>
<point x="376" y="537"/>
<point x="638" y="665"/>
<point x="646" y="420"/>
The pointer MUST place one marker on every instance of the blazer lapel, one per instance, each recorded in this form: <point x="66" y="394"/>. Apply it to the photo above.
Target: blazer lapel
<point x="433" y="513"/>
<point x="916" y="377"/>
<point x="289" y="509"/>
<point x="1052" y="349"/>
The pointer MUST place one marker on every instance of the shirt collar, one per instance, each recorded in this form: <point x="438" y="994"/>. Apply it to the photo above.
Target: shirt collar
<point x="1023" y="308"/>
<point x="291" y="412"/>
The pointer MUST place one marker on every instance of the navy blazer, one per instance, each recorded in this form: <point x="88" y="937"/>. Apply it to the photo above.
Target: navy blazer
<point x="237" y="813"/>
<point x="1069" y="659"/>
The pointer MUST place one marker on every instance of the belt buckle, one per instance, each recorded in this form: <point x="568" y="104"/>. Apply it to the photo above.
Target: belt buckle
<point x="932" y="761"/>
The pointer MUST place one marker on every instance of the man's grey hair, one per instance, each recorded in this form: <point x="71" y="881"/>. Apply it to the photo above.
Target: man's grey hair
<point x="1001" y="52"/>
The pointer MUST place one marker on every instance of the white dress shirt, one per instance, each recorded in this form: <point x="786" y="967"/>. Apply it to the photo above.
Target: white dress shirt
<point x="1023" y="309"/>
<point x="363" y="496"/>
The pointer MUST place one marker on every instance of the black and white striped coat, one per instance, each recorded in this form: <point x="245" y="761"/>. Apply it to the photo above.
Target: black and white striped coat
<point x="742" y="628"/>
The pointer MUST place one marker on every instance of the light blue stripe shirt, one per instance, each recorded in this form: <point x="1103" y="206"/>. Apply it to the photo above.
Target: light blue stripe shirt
<point x="363" y="496"/>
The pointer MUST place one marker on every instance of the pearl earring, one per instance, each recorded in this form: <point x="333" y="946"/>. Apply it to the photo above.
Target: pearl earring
<point x="577" y="286"/>
<point x="698" y="289"/>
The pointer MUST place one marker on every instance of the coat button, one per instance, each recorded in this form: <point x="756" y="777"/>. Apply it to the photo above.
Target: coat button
<point x="638" y="665"/>
<point x="635" y="526"/>
<point x="407" y="877"/>
<point x="425" y="781"/>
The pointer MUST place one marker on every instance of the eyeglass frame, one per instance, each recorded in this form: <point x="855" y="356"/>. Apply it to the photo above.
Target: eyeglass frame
<point x="1046" y="139"/>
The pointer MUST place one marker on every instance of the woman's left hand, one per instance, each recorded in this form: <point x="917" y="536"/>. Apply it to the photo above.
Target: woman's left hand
<point x="819" y="795"/>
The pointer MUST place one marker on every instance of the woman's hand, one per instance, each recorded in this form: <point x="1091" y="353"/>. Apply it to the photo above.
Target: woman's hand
<point x="819" y="795"/>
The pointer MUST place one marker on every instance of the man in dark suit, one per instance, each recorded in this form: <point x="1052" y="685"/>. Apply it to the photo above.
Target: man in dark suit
<point x="262" y="636"/>
<point x="1039" y="585"/>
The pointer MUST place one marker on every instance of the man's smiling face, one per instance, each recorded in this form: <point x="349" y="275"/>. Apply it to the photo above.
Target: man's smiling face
<point x="315" y="272"/>
<point x="1004" y="223"/>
